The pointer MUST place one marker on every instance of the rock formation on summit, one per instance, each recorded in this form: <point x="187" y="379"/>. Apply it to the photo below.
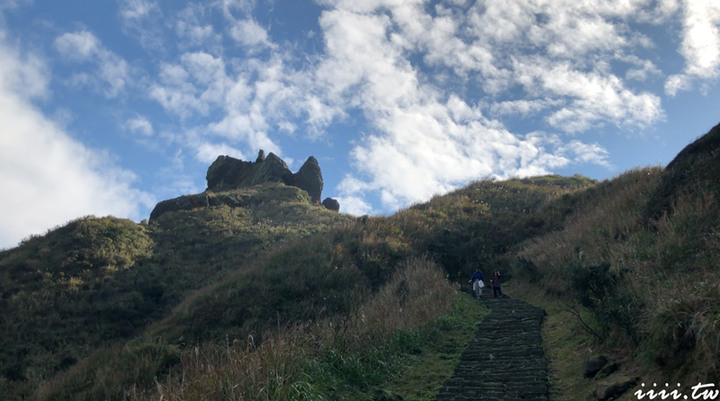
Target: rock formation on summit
<point x="227" y="173"/>
<point x="309" y="178"/>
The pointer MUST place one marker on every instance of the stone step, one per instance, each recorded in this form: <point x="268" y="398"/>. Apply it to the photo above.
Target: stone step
<point x="505" y="360"/>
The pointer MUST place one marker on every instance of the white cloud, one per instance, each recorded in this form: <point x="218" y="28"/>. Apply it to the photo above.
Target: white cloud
<point x="140" y="125"/>
<point x="701" y="42"/>
<point x="428" y="139"/>
<point x="590" y="96"/>
<point x="137" y="9"/>
<point x="79" y="46"/>
<point x="208" y="152"/>
<point x="587" y="153"/>
<point x="110" y="74"/>
<point x="700" y="45"/>
<point x="354" y="205"/>
<point x="229" y="6"/>
<point x="195" y="85"/>
<point x="48" y="177"/>
<point x="193" y="29"/>
<point x="677" y="82"/>
<point x="250" y="33"/>
<point x="25" y="75"/>
<point x="143" y="20"/>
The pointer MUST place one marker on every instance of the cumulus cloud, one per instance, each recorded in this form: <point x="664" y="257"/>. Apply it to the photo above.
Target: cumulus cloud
<point x="700" y="45"/>
<point x="429" y="140"/>
<point x="249" y="33"/>
<point x="208" y="152"/>
<point x="193" y="30"/>
<point x="50" y="178"/>
<point x="195" y="85"/>
<point x="110" y="73"/>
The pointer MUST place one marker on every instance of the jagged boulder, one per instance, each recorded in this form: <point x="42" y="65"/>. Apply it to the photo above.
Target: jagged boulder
<point x="331" y="204"/>
<point x="226" y="172"/>
<point x="309" y="178"/>
<point x="272" y="169"/>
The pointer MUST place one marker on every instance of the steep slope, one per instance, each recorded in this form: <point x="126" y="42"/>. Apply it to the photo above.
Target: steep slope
<point x="634" y="268"/>
<point x="99" y="280"/>
<point x="505" y="360"/>
<point x="696" y="168"/>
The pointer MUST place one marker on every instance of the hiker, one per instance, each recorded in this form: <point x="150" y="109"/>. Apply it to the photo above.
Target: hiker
<point x="495" y="284"/>
<point x="477" y="283"/>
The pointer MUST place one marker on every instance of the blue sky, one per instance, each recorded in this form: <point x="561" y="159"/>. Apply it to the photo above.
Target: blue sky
<point x="107" y="107"/>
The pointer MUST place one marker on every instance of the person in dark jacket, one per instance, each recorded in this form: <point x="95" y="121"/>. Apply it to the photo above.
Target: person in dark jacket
<point x="495" y="284"/>
<point x="477" y="281"/>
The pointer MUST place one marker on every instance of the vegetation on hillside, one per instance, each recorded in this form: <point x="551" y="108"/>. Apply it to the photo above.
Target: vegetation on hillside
<point x="97" y="281"/>
<point x="285" y="299"/>
<point x="330" y="276"/>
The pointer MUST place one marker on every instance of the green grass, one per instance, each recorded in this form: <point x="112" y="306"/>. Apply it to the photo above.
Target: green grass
<point x="316" y="303"/>
<point x="424" y="373"/>
<point x="341" y="357"/>
<point x="112" y="277"/>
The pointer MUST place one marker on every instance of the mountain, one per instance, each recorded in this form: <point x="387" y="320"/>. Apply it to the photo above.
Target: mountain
<point x="96" y="281"/>
<point x="256" y="290"/>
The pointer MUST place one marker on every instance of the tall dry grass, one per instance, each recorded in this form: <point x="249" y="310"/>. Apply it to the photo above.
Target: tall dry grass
<point x="665" y="272"/>
<point x="606" y="227"/>
<point x="284" y="365"/>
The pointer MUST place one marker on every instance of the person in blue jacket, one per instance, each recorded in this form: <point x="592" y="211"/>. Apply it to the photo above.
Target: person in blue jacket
<point x="477" y="281"/>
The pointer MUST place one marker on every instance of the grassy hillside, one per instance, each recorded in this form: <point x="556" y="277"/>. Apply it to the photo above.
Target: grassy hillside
<point x="330" y="279"/>
<point x="638" y="263"/>
<point x="96" y="281"/>
<point x="281" y="299"/>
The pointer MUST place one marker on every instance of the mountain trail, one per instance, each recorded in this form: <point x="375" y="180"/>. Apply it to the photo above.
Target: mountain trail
<point x="505" y="360"/>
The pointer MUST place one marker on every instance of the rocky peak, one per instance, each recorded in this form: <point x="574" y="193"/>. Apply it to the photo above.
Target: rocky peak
<point x="309" y="178"/>
<point x="227" y="173"/>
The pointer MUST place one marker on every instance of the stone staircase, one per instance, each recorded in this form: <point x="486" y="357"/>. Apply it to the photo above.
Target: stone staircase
<point x="505" y="360"/>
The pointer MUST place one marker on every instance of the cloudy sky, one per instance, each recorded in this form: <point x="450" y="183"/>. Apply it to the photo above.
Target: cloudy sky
<point x="107" y="107"/>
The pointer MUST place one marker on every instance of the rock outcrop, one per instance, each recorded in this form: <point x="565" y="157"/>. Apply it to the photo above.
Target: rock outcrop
<point x="310" y="179"/>
<point x="331" y="204"/>
<point x="228" y="173"/>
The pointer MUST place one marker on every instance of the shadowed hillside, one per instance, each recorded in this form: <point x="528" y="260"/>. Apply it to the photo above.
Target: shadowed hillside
<point x="95" y="280"/>
<point x="271" y="296"/>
